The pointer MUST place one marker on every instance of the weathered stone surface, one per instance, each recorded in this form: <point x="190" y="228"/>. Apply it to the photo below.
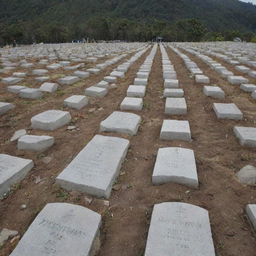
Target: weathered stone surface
<point x="102" y="84"/>
<point x="35" y="143"/>
<point x="30" y="93"/>
<point x="175" y="165"/>
<point x="110" y="79"/>
<point x="5" y="107"/>
<point x="95" y="168"/>
<point x="95" y="91"/>
<point x="50" y="120"/>
<point x="254" y="95"/>
<point x="227" y="111"/>
<point x="49" y="87"/>
<point x="136" y="91"/>
<point x="117" y="74"/>
<point x="237" y="80"/>
<point x="68" y="80"/>
<point x="171" y="83"/>
<point x="19" y="74"/>
<point x="15" y="88"/>
<point x="121" y="122"/>
<point x="12" y="170"/>
<point x="246" y="135"/>
<point x="60" y="229"/>
<point x="81" y="74"/>
<point x="40" y="72"/>
<point x="11" y="80"/>
<point x="130" y="103"/>
<point x="175" y="93"/>
<point x="76" y="101"/>
<point x="247" y="175"/>
<point x="42" y="78"/>
<point x="175" y="106"/>
<point x="214" y="92"/>
<point x="202" y="79"/>
<point x="179" y="229"/>
<point x="248" y="87"/>
<point x="251" y="213"/>
<point x="175" y="130"/>
<point x="141" y="81"/>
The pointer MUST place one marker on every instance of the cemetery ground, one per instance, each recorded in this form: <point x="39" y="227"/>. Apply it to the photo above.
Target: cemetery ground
<point x="126" y="214"/>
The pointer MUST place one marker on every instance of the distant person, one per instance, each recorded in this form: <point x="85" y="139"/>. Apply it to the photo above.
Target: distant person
<point x="14" y="43"/>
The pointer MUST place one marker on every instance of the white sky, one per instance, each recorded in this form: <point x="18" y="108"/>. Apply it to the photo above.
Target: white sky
<point x="251" y="1"/>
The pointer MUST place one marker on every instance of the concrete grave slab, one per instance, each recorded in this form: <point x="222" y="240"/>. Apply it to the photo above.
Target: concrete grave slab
<point x="130" y="103"/>
<point x="214" y="92"/>
<point x="227" y="111"/>
<point x="175" y="106"/>
<point x="96" y="167"/>
<point x="76" y="101"/>
<point x="136" y="91"/>
<point x="246" y="135"/>
<point x="95" y="91"/>
<point x="5" y="107"/>
<point x="121" y="122"/>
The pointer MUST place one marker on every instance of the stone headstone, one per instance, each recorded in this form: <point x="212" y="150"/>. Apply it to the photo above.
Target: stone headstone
<point x="173" y="93"/>
<point x="246" y="135"/>
<point x="95" y="168"/>
<point x="95" y="91"/>
<point x="237" y="80"/>
<point x="12" y="170"/>
<point x="136" y="91"/>
<point x="76" y="101"/>
<point x="214" y="92"/>
<point x="5" y="107"/>
<point x="179" y="229"/>
<point x="227" y="111"/>
<point x="49" y="87"/>
<point x="202" y="79"/>
<point x="175" y="106"/>
<point x="130" y="103"/>
<point x="121" y="122"/>
<point x="175" y="165"/>
<point x="30" y="93"/>
<point x="60" y="229"/>
<point x="248" y="87"/>
<point x="247" y="175"/>
<point x="82" y="74"/>
<point x="171" y="83"/>
<point x="251" y="213"/>
<point x="68" y="80"/>
<point x="175" y="130"/>
<point x="11" y="80"/>
<point x="50" y="120"/>
<point x="35" y="143"/>
<point x="15" y="88"/>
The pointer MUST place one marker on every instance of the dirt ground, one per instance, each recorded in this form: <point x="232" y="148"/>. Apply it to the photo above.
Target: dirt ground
<point x="126" y="220"/>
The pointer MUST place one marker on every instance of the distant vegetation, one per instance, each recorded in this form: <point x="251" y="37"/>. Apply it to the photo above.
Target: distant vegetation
<point x="28" y="21"/>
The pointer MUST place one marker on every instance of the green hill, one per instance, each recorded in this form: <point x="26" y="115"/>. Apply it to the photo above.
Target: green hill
<point x="64" y="20"/>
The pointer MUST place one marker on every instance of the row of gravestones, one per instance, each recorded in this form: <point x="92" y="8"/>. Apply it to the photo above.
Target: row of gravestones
<point x="246" y="135"/>
<point x="102" y="158"/>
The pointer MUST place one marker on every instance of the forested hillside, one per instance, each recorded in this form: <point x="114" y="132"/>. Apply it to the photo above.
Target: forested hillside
<point x="176" y="20"/>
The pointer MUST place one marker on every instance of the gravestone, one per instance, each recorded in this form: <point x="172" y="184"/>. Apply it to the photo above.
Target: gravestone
<point x="130" y="103"/>
<point x="251" y="213"/>
<point x="175" y="93"/>
<point x="5" y="107"/>
<point x="141" y="81"/>
<point x="246" y="135"/>
<point x="49" y="87"/>
<point x="30" y="93"/>
<point x="179" y="229"/>
<point x="171" y="83"/>
<point x="214" y="92"/>
<point x="202" y="79"/>
<point x="60" y="229"/>
<point x="15" y="88"/>
<point x="248" y="87"/>
<point x="247" y="175"/>
<point x="35" y="143"/>
<point x="136" y="91"/>
<point x="175" y="106"/>
<point x="50" y="120"/>
<point x="175" y="165"/>
<point x="95" y="91"/>
<point x="12" y="170"/>
<point x="103" y="84"/>
<point x="110" y="79"/>
<point x="227" y="111"/>
<point x="96" y="167"/>
<point x="39" y="72"/>
<point x="121" y="122"/>
<point x="175" y="130"/>
<point x="76" y="101"/>
<point x="68" y="80"/>
<point x="237" y="80"/>
<point x="11" y="80"/>
<point x="81" y="74"/>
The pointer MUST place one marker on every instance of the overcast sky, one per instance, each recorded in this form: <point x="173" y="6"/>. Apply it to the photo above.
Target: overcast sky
<point x="251" y="1"/>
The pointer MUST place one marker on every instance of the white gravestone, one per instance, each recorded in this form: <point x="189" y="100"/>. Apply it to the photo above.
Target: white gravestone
<point x="5" y="107"/>
<point x="50" y="120"/>
<point x="227" y="111"/>
<point x="179" y="229"/>
<point x="136" y="91"/>
<point x="12" y="170"/>
<point x="60" y="229"/>
<point x="130" y="103"/>
<point x="96" y="167"/>
<point x="175" y="106"/>
<point x="251" y="213"/>
<point x="246" y="135"/>
<point x="175" y="165"/>
<point x="214" y="92"/>
<point x="76" y="101"/>
<point x="121" y="122"/>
